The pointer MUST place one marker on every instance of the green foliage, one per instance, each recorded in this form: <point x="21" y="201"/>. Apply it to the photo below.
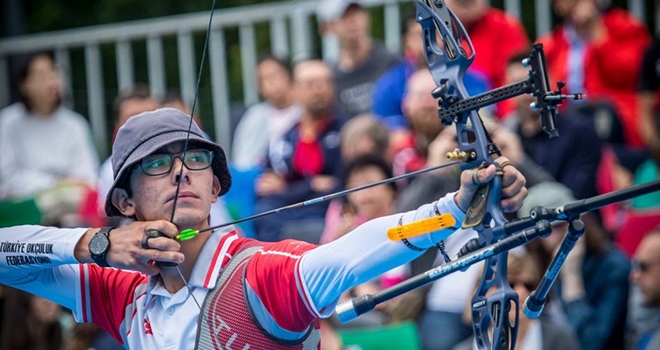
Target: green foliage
<point x="48" y="15"/>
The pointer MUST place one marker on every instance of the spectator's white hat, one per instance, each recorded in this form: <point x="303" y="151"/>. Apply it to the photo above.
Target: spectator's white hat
<point x="548" y="194"/>
<point x="332" y="10"/>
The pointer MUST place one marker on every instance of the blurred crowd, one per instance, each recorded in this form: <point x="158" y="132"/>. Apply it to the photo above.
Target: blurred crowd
<point x="369" y="115"/>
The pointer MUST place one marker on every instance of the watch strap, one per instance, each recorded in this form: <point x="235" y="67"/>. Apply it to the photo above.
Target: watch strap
<point x="100" y="259"/>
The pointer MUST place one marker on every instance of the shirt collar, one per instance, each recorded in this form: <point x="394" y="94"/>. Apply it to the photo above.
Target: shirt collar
<point x="571" y="36"/>
<point x="215" y="254"/>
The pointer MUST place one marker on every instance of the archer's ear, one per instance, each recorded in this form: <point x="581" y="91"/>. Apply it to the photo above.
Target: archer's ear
<point x="123" y="202"/>
<point x="215" y="189"/>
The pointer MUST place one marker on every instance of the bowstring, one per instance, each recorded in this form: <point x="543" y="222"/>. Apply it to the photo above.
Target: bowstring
<point x="185" y="146"/>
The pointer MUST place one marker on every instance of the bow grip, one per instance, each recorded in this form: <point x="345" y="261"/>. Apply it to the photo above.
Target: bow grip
<point x="486" y="198"/>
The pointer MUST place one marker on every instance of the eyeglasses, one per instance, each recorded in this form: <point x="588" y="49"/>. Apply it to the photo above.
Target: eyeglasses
<point x="161" y="163"/>
<point x="643" y="266"/>
<point x="528" y="285"/>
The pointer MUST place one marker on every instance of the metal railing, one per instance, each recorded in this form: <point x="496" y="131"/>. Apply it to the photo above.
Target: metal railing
<point x="291" y="35"/>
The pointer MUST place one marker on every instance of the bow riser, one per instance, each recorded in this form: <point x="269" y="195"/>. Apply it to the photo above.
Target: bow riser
<point x="448" y="62"/>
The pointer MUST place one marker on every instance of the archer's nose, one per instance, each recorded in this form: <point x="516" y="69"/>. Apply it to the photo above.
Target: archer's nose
<point x="179" y="172"/>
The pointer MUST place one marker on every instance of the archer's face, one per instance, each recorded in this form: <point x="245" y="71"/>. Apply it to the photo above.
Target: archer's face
<point x="153" y="196"/>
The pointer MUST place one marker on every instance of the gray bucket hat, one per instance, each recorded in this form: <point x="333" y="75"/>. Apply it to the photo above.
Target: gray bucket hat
<point x="147" y="132"/>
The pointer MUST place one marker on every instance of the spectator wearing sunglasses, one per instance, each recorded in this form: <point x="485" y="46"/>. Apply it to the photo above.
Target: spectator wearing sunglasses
<point x="646" y="276"/>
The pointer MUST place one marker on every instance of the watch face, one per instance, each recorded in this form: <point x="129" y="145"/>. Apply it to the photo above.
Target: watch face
<point x="98" y="244"/>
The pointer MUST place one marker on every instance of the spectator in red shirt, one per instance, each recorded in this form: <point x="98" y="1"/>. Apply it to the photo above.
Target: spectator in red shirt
<point x="496" y="37"/>
<point x="305" y="163"/>
<point x="599" y="51"/>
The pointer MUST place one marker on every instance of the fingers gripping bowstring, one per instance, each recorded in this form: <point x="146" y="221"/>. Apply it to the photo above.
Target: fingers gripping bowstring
<point x="185" y="146"/>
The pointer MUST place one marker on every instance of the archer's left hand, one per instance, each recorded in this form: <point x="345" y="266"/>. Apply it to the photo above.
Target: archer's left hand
<point x="513" y="185"/>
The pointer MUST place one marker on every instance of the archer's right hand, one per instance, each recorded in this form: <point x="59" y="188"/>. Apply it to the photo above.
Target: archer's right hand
<point x="127" y="251"/>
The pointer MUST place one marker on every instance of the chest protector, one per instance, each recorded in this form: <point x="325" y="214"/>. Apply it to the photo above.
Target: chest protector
<point x="226" y="322"/>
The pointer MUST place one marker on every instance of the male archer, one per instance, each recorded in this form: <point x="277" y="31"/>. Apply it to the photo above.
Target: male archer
<point x="251" y="294"/>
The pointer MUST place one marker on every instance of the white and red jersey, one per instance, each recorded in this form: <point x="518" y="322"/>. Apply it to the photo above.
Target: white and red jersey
<point x="289" y="283"/>
<point x="137" y="310"/>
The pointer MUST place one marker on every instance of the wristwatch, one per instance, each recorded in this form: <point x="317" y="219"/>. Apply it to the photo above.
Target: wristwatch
<point x="99" y="246"/>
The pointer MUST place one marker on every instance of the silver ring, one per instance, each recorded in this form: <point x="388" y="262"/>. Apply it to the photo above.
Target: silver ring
<point x="475" y="180"/>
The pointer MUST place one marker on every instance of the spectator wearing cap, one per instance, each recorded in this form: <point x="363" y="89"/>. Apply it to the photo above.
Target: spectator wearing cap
<point x="360" y="61"/>
<point x="592" y="289"/>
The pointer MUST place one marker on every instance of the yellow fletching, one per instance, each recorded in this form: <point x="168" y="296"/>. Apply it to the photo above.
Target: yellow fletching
<point x="421" y="227"/>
